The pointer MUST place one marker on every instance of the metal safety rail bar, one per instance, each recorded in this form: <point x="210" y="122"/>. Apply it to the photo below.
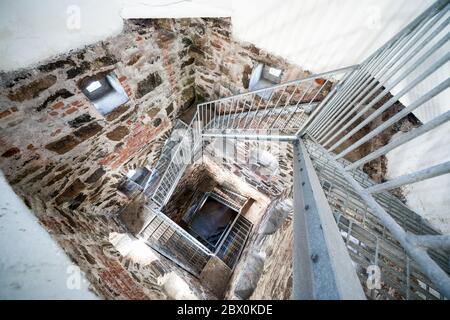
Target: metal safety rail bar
<point x="236" y="200"/>
<point x="233" y="242"/>
<point x="322" y="265"/>
<point x="298" y="118"/>
<point x="172" y="241"/>
<point x="276" y="110"/>
<point x="369" y="241"/>
<point x="340" y="111"/>
<point x="417" y="252"/>
<point x="173" y="138"/>
<point x="363" y="98"/>
<point x="182" y="156"/>
<point x="367" y="89"/>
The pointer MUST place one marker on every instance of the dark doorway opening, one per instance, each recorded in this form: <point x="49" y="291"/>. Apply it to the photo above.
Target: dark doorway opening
<point x="211" y="222"/>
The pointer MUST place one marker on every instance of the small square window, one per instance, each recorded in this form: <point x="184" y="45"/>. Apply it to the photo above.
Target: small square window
<point x="139" y="176"/>
<point x="93" y="86"/>
<point x="136" y="181"/>
<point x="105" y="92"/>
<point x="264" y="76"/>
<point x="275" y="72"/>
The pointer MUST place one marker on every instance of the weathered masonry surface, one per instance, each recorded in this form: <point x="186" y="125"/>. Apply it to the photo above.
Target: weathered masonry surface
<point x="66" y="160"/>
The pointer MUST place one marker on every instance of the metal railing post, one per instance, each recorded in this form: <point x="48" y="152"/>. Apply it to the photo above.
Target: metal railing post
<point x="322" y="266"/>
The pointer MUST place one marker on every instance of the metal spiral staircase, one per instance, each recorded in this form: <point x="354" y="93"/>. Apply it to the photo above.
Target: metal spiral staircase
<point x="345" y="224"/>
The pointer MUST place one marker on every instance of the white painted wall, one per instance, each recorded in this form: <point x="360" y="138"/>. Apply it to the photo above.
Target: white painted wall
<point x="32" y="265"/>
<point x="175" y="8"/>
<point x="322" y="35"/>
<point x="31" y="31"/>
<point x="430" y="198"/>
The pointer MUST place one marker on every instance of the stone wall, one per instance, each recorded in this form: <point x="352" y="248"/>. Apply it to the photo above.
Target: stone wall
<point x="239" y="159"/>
<point x="66" y="160"/>
<point x="265" y="268"/>
<point x="224" y="65"/>
<point x="194" y="183"/>
<point x="55" y="143"/>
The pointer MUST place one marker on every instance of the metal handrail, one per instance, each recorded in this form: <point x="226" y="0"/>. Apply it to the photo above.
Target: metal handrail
<point x="181" y="231"/>
<point x="283" y="110"/>
<point x="428" y="266"/>
<point x="225" y="236"/>
<point x="174" y="155"/>
<point x="339" y="109"/>
<point x="284" y="84"/>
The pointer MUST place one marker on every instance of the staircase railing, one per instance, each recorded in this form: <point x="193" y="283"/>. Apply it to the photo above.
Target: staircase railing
<point x="356" y="115"/>
<point x="277" y="111"/>
<point x="233" y="241"/>
<point x="181" y="157"/>
<point x="367" y="239"/>
<point x="177" y="133"/>
<point x="175" y="243"/>
<point x="385" y="71"/>
<point x="340" y="116"/>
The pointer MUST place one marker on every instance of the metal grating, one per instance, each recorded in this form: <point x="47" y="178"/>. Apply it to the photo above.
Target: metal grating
<point x="375" y="226"/>
<point x="369" y="242"/>
<point x="234" y="241"/>
<point x="275" y="111"/>
<point x="169" y="239"/>
<point x="184" y="154"/>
